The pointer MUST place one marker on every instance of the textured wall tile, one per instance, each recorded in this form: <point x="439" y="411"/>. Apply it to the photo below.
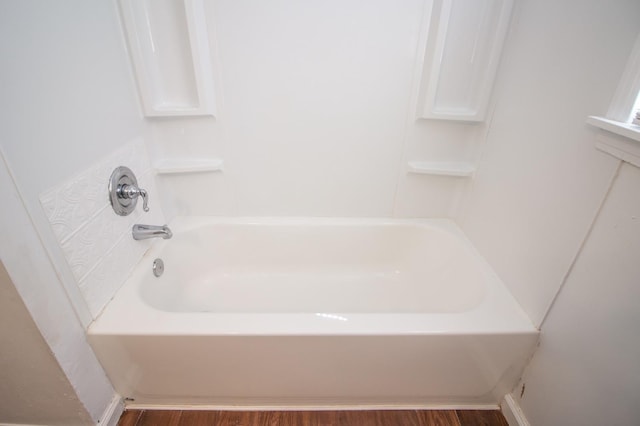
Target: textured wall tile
<point x="96" y="242"/>
<point x="102" y="283"/>
<point x="86" y="247"/>
<point x="72" y="204"/>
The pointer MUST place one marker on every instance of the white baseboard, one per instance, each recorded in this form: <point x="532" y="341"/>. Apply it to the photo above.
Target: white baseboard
<point x="16" y="424"/>
<point x="310" y="407"/>
<point x="113" y="412"/>
<point x="512" y="412"/>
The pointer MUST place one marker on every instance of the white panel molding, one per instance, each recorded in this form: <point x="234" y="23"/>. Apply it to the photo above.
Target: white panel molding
<point x="461" y="57"/>
<point x="170" y="82"/>
<point x="624" y="148"/>
<point x="512" y="412"/>
<point x="112" y="413"/>
<point x="201" y="55"/>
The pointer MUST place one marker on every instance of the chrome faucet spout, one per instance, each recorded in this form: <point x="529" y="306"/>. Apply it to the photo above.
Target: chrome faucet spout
<point x="143" y="232"/>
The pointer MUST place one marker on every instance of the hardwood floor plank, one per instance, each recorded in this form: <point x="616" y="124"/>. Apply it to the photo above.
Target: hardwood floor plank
<point x="313" y="418"/>
<point x="234" y="418"/>
<point x="326" y="418"/>
<point x="438" y="418"/>
<point x="397" y="417"/>
<point x="356" y="418"/>
<point x="481" y="418"/>
<point x="379" y="418"/>
<point x="129" y="418"/>
<point x="199" y="418"/>
<point x="160" y="418"/>
<point x="273" y="418"/>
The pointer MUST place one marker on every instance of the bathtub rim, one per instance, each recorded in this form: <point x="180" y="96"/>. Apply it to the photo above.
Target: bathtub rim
<point x="128" y="314"/>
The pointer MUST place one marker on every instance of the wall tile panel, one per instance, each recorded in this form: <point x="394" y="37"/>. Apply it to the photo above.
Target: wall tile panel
<point x="97" y="243"/>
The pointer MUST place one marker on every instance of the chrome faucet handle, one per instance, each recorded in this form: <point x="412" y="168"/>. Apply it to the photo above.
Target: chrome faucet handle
<point x="124" y="192"/>
<point x="145" y="200"/>
<point x="131" y="192"/>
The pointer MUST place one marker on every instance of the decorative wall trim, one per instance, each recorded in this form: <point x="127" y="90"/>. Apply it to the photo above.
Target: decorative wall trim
<point x="461" y="57"/>
<point x="169" y="47"/>
<point x="96" y="242"/>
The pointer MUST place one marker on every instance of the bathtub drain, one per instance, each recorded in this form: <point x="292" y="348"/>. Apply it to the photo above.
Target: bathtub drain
<point x="158" y="267"/>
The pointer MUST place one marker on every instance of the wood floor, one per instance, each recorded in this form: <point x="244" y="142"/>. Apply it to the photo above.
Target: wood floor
<point x="313" y="418"/>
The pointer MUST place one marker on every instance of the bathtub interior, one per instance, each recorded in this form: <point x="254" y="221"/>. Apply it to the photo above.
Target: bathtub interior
<point x="267" y="267"/>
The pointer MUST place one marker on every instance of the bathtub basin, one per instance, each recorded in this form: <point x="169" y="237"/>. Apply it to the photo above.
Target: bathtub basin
<point x="313" y="313"/>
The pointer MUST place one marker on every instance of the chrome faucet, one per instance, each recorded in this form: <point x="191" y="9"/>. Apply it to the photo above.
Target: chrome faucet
<point x="124" y="192"/>
<point x="143" y="232"/>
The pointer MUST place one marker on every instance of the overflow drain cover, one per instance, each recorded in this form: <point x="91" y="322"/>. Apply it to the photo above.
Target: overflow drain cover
<point x="158" y="267"/>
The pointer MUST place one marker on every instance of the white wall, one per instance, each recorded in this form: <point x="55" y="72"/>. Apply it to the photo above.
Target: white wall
<point x="585" y="371"/>
<point x="316" y="115"/>
<point x="540" y="180"/>
<point x="68" y="102"/>
<point x="34" y="390"/>
<point x="537" y="192"/>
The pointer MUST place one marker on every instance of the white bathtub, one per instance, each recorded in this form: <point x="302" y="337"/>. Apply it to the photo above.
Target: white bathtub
<point x="313" y="313"/>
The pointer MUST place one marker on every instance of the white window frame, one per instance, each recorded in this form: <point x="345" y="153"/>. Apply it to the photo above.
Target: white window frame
<point x="620" y="136"/>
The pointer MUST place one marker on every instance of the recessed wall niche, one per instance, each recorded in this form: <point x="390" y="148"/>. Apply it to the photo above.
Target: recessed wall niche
<point x="463" y="48"/>
<point x="169" y="47"/>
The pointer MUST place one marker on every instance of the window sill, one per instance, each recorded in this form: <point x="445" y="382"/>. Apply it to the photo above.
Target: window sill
<point x="621" y="140"/>
<point x="627" y="130"/>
